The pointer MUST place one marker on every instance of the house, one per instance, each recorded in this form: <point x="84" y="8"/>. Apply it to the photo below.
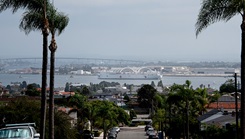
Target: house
<point x="63" y="94"/>
<point x="216" y="117"/>
<point x="116" y="89"/>
<point x="72" y="114"/>
<point x="221" y="112"/>
<point x="226" y="102"/>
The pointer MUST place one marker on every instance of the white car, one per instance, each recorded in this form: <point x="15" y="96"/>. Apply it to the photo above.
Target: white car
<point x="19" y="131"/>
<point x="150" y="130"/>
<point x="117" y="129"/>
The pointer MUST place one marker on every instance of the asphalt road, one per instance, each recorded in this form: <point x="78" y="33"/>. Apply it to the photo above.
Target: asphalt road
<point x="132" y="133"/>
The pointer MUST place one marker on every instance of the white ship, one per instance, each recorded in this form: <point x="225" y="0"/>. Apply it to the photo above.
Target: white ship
<point x="129" y="74"/>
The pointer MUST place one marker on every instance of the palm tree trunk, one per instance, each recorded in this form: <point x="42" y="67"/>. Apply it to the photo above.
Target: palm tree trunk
<point x="104" y="129"/>
<point x="52" y="48"/>
<point x="187" y="119"/>
<point x="44" y="82"/>
<point x="242" y="79"/>
<point x="169" y="118"/>
<point x="51" y="98"/>
<point x="44" y="73"/>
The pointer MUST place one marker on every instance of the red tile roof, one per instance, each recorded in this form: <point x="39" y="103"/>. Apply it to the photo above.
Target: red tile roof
<point x="225" y="105"/>
<point x="65" y="93"/>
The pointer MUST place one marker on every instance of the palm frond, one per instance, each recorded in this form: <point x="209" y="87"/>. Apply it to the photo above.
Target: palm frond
<point x="15" y="5"/>
<point x="215" y="10"/>
<point x="31" y="21"/>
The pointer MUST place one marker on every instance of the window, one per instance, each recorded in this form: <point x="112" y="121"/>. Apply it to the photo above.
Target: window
<point x="15" y="133"/>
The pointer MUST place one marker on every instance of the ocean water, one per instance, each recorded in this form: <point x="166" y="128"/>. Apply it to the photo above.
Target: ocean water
<point x="61" y="80"/>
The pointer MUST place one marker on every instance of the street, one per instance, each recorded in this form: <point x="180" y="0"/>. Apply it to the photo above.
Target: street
<point x="132" y="133"/>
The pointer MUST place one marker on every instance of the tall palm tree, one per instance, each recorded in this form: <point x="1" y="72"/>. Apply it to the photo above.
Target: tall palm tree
<point x="57" y="23"/>
<point x="183" y="94"/>
<point x="216" y="10"/>
<point x="185" y="102"/>
<point x="38" y="6"/>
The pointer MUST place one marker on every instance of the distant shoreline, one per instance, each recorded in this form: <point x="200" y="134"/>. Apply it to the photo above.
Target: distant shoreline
<point x="164" y="74"/>
<point x="200" y="75"/>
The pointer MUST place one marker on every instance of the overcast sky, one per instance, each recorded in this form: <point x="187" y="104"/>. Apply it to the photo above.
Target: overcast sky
<point x="154" y="30"/>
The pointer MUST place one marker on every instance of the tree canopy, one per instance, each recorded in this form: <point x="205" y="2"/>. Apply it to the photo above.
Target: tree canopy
<point x="145" y="95"/>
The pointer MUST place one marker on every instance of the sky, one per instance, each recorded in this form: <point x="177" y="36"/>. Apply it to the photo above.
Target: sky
<point x="149" y="30"/>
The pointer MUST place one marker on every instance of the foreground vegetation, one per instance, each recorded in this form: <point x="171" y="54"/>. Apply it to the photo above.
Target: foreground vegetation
<point x="102" y="115"/>
<point x="174" y="111"/>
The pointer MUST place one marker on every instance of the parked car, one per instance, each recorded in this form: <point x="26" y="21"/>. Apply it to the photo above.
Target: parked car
<point x="112" y="132"/>
<point x="19" y="131"/>
<point x="117" y="129"/>
<point x="152" y="135"/>
<point x="86" y="134"/>
<point x="148" y="126"/>
<point x="150" y="130"/>
<point x="112" y="135"/>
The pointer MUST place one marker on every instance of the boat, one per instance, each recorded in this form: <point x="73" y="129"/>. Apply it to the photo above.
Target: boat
<point x="129" y="76"/>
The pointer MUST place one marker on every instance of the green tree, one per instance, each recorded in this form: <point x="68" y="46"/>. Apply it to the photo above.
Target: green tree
<point x="153" y="84"/>
<point x="160" y="84"/>
<point x="185" y="104"/>
<point x="159" y="101"/>
<point x="126" y="98"/>
<point x="67" y="87"/>
<point x="214" y="98"/>
<point x="32" y="90"/>
<point x="202" y="99"/>
<point x="77" y="101"/>
<point x="132" y="114"/>
<point x="216" y="10"/>
<point x="38" y="6"/>
<point x="228" y="87"/>
<point x="23" y="85"/>
<point x="106" y="113"/>
<point x="109" y="115"/>
<point x="63" y="128"/>
<point x="145" y="96"/>
<point x="25" y="110"/>
<point x="159" y="118"/>
<point x="21" y="110"/>
<point x="85" y="91"/>
<point x="123" y="117"/>
<point x="90" y="112"/>
<point x="8" y="87"/>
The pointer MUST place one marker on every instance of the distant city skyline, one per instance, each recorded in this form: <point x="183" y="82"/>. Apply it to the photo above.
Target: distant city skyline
<point x="145" y="30"/>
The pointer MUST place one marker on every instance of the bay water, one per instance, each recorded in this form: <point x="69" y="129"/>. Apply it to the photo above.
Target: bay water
<point x="61" y="80"/>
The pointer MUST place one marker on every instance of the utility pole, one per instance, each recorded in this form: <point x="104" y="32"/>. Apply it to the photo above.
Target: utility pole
<point x="236" y="105"/>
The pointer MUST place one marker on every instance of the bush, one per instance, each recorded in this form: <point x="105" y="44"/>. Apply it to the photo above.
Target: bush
<point x="97" y="133"/>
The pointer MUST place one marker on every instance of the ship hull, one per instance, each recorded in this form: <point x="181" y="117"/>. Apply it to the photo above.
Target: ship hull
<point x="121" y="76"/>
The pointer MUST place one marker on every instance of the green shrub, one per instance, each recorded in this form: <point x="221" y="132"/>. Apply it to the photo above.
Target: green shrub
<point x="97" y="133"/>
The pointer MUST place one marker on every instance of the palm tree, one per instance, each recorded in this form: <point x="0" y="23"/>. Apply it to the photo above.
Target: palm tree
<point x="183" y="94"/>
<point x="57" y="23"/>
<point x="216" y="10"/>
<point x="187" y="102"/>
<point x="40" y="7"/>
